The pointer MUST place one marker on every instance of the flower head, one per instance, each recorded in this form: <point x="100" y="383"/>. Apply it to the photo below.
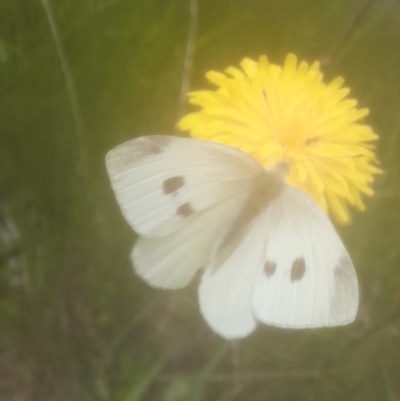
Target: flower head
<point x="289" y="114"/>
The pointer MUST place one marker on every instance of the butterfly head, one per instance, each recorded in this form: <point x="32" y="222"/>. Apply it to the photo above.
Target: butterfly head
<point x="281" y="169"/>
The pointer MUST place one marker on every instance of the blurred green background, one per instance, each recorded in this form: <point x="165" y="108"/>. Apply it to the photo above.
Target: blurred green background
<point x="78" y="77"/>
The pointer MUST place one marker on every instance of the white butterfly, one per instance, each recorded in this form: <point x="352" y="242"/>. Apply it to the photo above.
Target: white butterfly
<point x="268" y="251"/>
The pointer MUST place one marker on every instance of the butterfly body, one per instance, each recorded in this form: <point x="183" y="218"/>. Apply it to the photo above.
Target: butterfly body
<point x="268" y="251"/>
<point x="265" y="187"/>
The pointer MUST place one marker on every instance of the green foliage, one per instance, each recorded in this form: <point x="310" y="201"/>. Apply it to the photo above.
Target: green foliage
<point x="76" y="323"/>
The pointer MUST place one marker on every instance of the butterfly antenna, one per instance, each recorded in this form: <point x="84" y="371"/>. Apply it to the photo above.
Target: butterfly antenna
<point x="265" y="96"/>
<point x="328" y="157"/>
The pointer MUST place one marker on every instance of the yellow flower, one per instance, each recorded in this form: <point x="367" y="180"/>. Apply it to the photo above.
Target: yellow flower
<point x="289" y="114"/>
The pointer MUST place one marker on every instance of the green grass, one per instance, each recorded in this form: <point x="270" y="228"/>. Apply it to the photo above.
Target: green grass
<point x="76" y="323"/>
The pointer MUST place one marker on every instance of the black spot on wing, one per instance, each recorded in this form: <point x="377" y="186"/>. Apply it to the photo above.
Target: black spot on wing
<point x="173" y="184"/>
<point x="152" y="145"/>
<point x="185" y="210"/>
<point x="342" y="266"/>
<point x="269" y="268"/>
<point x="298" y="270"/>
<point x="344" y="291"/>
<point x="135" y="151"/>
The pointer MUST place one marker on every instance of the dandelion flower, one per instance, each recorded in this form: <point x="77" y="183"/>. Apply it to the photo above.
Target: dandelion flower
<point x="289" y="114"/>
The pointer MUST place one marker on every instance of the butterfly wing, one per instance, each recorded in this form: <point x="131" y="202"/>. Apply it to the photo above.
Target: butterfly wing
<point x="160" y="181"/>
<point x="307" y="278"/>
<point x="172" y="260"/>
<point x="287" y="266"/>
<point x="289" y="269"/>
<point x="178" y="194"/>
<point x="226" y="288"/>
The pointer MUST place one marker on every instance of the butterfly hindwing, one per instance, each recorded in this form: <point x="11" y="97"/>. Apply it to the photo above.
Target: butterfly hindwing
<point x="160" y="181"/>
<point x="171" y="261"/>
<point x="226" y="289"/>
<point x="307" y="278"/>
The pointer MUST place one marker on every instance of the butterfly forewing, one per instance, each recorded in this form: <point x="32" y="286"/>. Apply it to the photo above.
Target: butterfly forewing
<point x="160" y="181"/>
<point x="307" y="278"/>
<point x="180" y="195"/>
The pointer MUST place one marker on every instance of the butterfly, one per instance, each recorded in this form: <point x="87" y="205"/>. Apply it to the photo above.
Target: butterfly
<point x="267" y="250"/>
